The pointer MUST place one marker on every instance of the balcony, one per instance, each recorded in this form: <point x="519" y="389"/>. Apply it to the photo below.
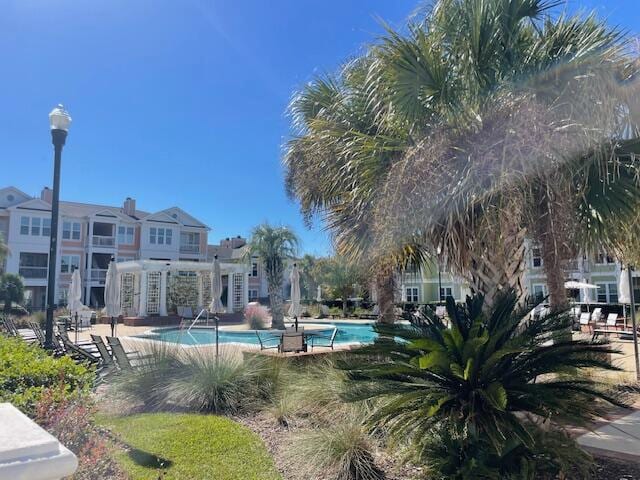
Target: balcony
<point x="100" y="241"/>
<point x="98" y="275"/>
<point x="195" y="249"/>
<point x="33" y="272"/>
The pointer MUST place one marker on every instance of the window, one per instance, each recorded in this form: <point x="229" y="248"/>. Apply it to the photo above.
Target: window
<point x="536" y="257"/>
<point x="33" y="265"/>
<point x="539" y="292"/>
<point x="189" y="242"/>
<point x="253" y="295"/>
<point x="607" y="293"/>
<point x="160" y="236"/>
<point x="70" y="230"/>
<point x="68" y="263"/>
<point x="602" y="258"/>
<point x="35" y="226"/>
<point x="446" y="292"/>
<point x="412" y="294"/>
<point x="24" y="226"/>
<point x="125" y="235"/>
<point x="254" y="269"/>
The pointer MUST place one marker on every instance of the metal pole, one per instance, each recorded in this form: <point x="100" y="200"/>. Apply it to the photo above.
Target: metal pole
<point x="439" y="283"/>
<point x="57" y="137"/>
<point x="215" y="317"/>
<point x="77" y="327"/>
<point x="633" y="323"/>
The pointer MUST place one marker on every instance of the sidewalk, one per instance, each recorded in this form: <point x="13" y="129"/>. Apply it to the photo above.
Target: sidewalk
<point x="619" y="439"/>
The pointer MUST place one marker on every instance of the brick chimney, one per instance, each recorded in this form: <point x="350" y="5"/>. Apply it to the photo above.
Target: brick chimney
<point x="129" y="207"/>
<point x="47" y="195"/>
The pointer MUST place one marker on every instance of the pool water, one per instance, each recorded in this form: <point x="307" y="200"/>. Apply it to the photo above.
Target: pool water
<point x="347" y="333"/>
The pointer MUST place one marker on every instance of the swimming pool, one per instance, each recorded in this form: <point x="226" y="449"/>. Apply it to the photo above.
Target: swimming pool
<point x="348" y="333"/>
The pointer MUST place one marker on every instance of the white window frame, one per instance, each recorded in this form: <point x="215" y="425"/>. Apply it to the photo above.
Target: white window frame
<point x="70" y="230"/>
<point x="69" y="261"/>
<point x="444" y="295"/>
<point x="127" y="236"/>
<point x="412" y="294"/>
<point x="543" y="286"/>
<point x="536" y="253"/>
<point x="254" y="269"/>
<point x="46" y="227"/>
<point x="25" y="225"/>
<point x="253" y="294"/>
<point x="160" y="235"/>
<point x="608" y="291"/>
<point x="36" y="222"/>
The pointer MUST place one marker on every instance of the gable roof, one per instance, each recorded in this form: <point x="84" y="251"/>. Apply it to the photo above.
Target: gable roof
<point x="79" y="210"/>
<point x="34" y="204"/>
<point x="177" y="216"/>
<point x="12" y="196"/>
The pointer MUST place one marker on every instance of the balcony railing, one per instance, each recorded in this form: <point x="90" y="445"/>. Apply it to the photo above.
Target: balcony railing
<point x="187" y="248"/>
<point x="98" y="275"/>
<point x="100" y="241"/>
<point x="33" y="272"/>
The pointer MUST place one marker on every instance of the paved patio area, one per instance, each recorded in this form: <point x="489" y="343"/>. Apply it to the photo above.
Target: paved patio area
<point x="618" y="439"/>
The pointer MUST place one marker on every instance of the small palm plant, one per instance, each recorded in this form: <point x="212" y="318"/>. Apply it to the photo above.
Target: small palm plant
<point x="492" y="379"/>
<point x="274" y="246"/>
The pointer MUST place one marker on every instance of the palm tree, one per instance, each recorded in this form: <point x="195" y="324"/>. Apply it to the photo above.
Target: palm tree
<point x="339" y="276"/>
<point x="273" y="246"/>
<point x="308" y="276"/>
<point x="488" y="379"/>
<point x="487" y="123"/>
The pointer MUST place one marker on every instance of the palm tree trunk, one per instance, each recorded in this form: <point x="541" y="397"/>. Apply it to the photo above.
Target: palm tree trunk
<point x="274" y="280"/>
<point x="344" y="306"/>
<point x="498" y="265"/>
<point x="385" y="289"/>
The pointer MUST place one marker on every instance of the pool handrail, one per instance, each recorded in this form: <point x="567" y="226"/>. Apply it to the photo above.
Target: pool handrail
<point x="331" y="338"/>
<point x="263" y="345"/>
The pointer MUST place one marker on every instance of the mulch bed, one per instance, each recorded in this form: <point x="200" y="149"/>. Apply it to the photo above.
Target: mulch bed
<point x="277" y="438"/>
<point x="609" y="469"/>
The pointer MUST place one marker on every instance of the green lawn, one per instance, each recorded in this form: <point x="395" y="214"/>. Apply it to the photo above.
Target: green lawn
<point x="191" y="446"/>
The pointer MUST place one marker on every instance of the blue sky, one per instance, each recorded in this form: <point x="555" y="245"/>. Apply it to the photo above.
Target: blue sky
<point x="187" y="97"/>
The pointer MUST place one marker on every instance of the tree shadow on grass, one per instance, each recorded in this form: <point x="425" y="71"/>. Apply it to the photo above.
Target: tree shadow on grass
<point x="148" y="460"/>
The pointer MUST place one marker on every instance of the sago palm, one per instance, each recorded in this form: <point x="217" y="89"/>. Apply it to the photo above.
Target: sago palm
<point x="488" y="122"/>
<point x="274" y="246"/>
<point x="493" y="377"/>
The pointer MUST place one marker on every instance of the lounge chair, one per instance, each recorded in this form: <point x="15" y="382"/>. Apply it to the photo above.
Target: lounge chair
<point x="441" y="311"/>
<point x="77" y="352"/>
<point x="612" y="321"/>
<point x="122" y="357"/>
<point x="63" y="332"/>
<point x="585" y="321"/>
<point x="264" y="345"/>
<point x="38" y="332"/>
<point x="24" y="333"/>
<point x="105" y="355"/>
<point x="292" y="342"/>
<point x="328" y="338"/>
<point x="596" y="315"/>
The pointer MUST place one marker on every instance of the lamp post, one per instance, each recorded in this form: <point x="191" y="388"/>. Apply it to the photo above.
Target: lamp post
<point x="59" y="121"/>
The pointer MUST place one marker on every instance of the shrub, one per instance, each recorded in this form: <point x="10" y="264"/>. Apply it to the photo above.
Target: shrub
<point x="70" y="421"/>
<point x="26" y="371"/>
<point x="343" y="449"/>
<point x="256" y="317"/>
<point x="195" y="379"/>
<point x="494" y="378"/>
<point x="11" y="290"/>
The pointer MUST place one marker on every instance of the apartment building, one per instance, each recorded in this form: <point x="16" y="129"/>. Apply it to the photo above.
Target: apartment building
<point x="600" y="269"/>
<point x="89" y="236"/>
<point x="234" y="249"/>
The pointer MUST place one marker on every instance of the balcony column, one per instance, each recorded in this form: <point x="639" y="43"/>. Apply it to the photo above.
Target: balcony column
<point x="230" y="292"/>
<point x="163" y="293"/>
<point x="245" y="289"/>
<point x="142" y="304"/>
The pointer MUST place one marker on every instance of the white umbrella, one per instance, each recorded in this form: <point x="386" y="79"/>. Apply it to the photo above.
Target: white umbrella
<point x="216" y="288"/>
<point x="215" y="306"/>
<point x="75" y="293"/>
<point x="319" y="294"/>
<point x="295" y="309"/>
<point x="112" y="294"/>
<point x="580" y="285"/>
<point x="625" y="295"/>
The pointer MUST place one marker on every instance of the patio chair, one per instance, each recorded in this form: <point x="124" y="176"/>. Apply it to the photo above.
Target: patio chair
<point x="576" y="311"/>
<point x="264" y="345"/>
<point x="122" y="357"/>
<point x="596" y="315"/>
<point x="38" y="332"/>
<point x="105" y="355"/>
<point x="329" y="339"/>
<point x="612" y="321"/>
<point x="441" y="311"/>
<point x="78" y="353"/>
<point x="292" y="342"/>
<point x="24" y="333"/>
<point x="64" y="333"/>
<point x="585" y="321"/>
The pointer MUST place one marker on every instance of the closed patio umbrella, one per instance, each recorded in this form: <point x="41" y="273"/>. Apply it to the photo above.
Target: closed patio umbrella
<point x="625" y="295"/>
<point x="215" y="307"/>
<point x="319" y="294"/>
<point x="295" y="309"/>
<point x="75" y="298"/>
<point x="112" y="295"/>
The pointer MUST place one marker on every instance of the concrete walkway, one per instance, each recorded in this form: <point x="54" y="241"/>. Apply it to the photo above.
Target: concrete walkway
<point x="618" y="439"/>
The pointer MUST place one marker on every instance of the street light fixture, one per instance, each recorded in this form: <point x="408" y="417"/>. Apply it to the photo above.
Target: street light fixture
<point x="59" y="121"/>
